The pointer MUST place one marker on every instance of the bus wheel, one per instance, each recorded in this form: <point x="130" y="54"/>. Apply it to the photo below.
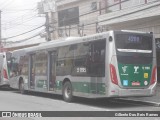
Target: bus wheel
<point x="21" y="87"/>
<point x="67" y="92"/>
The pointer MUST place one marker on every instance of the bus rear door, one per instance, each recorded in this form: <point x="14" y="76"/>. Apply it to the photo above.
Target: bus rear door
<point x="52" y="69"/>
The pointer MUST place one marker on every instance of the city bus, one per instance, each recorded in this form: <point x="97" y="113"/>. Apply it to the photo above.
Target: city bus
<point x="4" y="68"/>
<point x="110" y="64"/>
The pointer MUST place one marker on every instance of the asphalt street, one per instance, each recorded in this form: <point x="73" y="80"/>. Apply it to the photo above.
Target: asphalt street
<point x="12" y="100"/>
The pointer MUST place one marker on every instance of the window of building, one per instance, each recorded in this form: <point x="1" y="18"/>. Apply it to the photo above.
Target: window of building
<point x="68" y="17"/>
<point x="93" y="6"/>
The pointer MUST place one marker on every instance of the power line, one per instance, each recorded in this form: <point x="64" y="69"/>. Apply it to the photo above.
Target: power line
<point x="16" y="10"/>
<point x="88" y="24"/>
<point x="22" y="21"/>
<point x="24" y="32"/>
<point x="30" y="37"/>
<point x="18" y="24"/>
<point x="20" y="17"/>
<point x="3" y="3"/>
<point x="7" y="4"/>
<point x="80" y="16"/>
<point x="84" y="14"/>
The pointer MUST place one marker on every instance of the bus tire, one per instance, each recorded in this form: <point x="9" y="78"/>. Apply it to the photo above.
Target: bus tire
<point x="21" y="87"/>
<point x="67" y="92"/>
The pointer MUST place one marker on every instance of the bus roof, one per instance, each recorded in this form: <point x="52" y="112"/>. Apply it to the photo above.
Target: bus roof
<point x="21" y="52"/>
<point x="51" y="45"/>
<point x="66" y="41"/>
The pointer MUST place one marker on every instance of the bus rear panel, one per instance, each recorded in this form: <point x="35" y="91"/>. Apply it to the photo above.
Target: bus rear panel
<point x="133" y="70"/>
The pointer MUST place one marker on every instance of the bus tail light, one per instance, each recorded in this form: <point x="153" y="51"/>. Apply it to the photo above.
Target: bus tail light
<point x="5" y="74"/>
<point x="153" y="79"/>
<point x="113" y="74"/>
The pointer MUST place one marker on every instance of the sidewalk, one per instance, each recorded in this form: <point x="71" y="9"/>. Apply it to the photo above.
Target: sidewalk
<point x="154" y="100"/>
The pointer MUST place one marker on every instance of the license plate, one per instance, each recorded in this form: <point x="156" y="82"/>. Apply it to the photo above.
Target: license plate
<point x="135" y="83"/>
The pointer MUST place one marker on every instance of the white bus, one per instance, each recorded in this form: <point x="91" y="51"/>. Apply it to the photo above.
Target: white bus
<point x="4" y="68"/>
<point x="110" y="64"/>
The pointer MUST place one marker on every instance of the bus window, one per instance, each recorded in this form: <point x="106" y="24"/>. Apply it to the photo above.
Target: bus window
<point x="130" y="41"/>
<point x="96" y="66"/>
<point x="65" y="60"/>
<point x="81" y="54"/>
<point x="130" y="46"/>
<point x="41" y="64"/>
<point x="40" y="70"/>
<point x="24" y="64"/>
<point x="14" y="66"/>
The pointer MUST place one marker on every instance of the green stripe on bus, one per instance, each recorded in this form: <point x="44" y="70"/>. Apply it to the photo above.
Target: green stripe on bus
<point x="85" y="87"/>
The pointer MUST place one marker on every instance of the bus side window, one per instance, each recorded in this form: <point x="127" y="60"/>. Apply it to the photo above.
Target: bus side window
<point x="97" y="62"/>
<point x="81" y="59"/>
<point x="14" y="67"/>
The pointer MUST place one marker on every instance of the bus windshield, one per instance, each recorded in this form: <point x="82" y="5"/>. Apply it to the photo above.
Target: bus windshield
<point x="134" y="43"/>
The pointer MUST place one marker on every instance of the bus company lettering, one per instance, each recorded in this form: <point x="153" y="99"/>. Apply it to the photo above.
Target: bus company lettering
<point x="81" y="70"/>
<point x="34" y="115"/>
<point x="28" y="114"/>
<point x="93" y="38"/>
<point x="19" y="114"/>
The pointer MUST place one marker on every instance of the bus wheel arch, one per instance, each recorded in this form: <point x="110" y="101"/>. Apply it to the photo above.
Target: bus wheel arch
<point x="21" y="85"/>
<point x="67" y="90"/>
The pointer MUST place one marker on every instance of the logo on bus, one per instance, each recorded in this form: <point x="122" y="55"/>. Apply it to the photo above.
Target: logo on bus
<point x="145" y="75"/>
<point x="124" y="69"/>
<point x="125" y="83"/>
<point x="145" y="82"/>
<point x="136" y="69"/>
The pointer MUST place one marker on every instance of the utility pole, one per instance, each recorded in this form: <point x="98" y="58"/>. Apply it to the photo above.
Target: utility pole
<point x="47" y="27"/>
<point x="47" y="7"/>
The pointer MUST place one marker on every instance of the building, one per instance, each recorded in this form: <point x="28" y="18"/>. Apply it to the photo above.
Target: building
<point x="74" y="18"/>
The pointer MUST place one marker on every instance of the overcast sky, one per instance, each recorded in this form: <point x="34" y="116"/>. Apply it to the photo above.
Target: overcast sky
<point x="19" y="16"/>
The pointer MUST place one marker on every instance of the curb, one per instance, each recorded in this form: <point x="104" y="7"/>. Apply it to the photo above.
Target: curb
<point x="136" y="102"/>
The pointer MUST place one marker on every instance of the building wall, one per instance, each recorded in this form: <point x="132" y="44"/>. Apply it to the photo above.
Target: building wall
<point x="87" y="22"/>
<point x="147" y="24"/>
<point x="151" y="25"/>
<point x="115" y="5"/>
<point x="87" y="19"/>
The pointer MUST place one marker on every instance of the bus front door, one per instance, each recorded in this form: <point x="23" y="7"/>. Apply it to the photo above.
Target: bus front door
<point x="52" y="70"/>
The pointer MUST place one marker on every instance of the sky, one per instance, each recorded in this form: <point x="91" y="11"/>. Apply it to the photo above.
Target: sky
<point x="20" y="16"/>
